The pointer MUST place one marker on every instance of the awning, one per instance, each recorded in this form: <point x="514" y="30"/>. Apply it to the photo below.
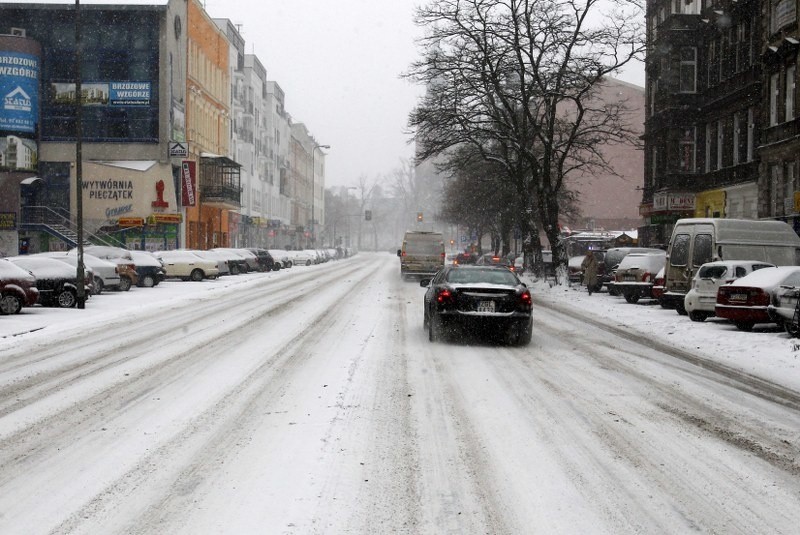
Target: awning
<point x="133" y="165"/>
<point x="224" y="160"/>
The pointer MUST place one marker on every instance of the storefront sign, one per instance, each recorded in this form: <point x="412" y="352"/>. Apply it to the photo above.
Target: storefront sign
<point x="130" y="222"/>
<point x="668" y="201"/>
<point x="188" y="182"/>
<point x="170" y="219"/>
<point x="8" y="220"/>
<point x="645" y="209"/>
<point x="664" y="219"/>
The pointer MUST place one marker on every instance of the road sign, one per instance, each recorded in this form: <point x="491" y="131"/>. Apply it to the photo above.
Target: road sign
<point x="178" y="149"/>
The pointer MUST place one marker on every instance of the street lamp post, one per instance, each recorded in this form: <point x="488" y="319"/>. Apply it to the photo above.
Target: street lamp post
<point x="314" y="188"/>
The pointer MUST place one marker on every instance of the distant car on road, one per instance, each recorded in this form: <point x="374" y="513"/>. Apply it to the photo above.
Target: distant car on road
<point x="149" y="268"/>
<point x="491" y="259"/>
<point x="484" y="300"/>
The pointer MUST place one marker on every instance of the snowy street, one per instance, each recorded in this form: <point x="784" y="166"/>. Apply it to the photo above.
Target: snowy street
<point x="311" y="401"/>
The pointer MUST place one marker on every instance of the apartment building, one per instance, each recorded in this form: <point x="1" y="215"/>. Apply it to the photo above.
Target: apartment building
<point x="721" y="135"/>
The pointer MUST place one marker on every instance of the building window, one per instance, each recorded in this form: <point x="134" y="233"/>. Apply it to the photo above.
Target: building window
<point x="737" y="139"/>
<point x="789" y="93"/>
<point x="782" y="13"/>
<point x="774" y="188"/>
<point x="713" y="66"/>
<point x="743" y="46"/>
<point x="688" y="70"/>
<point x="709" y="146"/>
<point x="720" y="142"/>
<point x="687" y="150"/>
<point x="774" y="90"/>
<point x="751" y="133"/>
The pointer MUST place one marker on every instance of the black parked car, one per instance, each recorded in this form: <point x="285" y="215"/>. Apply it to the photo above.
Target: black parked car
<point x="55" y="280"/>
<point x="265" y="260"/>
<point x="484" y="300"/>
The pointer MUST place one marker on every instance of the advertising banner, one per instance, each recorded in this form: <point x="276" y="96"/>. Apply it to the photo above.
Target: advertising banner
<point x="19" y="89"/>
<point x="188" y="183"/>
<point x="102" y="93"/>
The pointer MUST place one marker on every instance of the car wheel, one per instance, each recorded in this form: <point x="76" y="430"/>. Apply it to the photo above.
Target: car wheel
<point x="308" y="262"/>
<point x="196" y="275"/>
<point x="791" y="329"/>
<point x="147" y="281"/>
<point x="67" y="298"/>
<point x="98" y="286"/>
<point x="744" y="325"/>
<point x="10" y="304"/>
<point x="522" y="334"/>
<point x="124" y="284"/>
<point x="681" y="309"/>
<point x="612" y="291"/>
<point x="695" y="315"/>
<point x="632" y="297"/>
<point x="234" y="269"/>
<point x="434" y="328"/>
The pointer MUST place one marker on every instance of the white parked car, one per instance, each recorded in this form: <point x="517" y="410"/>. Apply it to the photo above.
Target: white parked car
<point x="282" y="256"/>
<point x="701" y="299"/>
<point x="188" y="266"/>
<point x="220" y="258"/>
<point x="305" y="257"/>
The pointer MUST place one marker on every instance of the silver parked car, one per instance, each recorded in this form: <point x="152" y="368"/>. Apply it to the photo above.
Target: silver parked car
<point x="636" y="275"/>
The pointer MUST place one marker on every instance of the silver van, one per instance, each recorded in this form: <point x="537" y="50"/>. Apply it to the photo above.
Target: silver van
<point x="696" y="241"/>
<point x="422" y="254"/>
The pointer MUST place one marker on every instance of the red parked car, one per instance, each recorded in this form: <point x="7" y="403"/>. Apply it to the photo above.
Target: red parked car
<point x="17" y="288"/>
<point x="745" y="301"/>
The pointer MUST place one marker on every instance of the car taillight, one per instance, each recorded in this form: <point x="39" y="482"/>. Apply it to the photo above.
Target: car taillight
<point x="646" y="276"/>
<point x="444" y="296"/>
<point x="526" y="300"/>
<point x="442" y="256"/>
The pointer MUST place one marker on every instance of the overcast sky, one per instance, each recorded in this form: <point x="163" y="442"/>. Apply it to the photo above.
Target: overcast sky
<point x="339" y="64"/>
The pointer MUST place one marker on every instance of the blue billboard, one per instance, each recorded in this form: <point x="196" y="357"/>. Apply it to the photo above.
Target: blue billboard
<point x="19" y="91"/>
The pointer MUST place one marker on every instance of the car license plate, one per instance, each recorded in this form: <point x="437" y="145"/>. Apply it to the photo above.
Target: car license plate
<point x="486" y="306"/>
<point x="630" y="277"/>
<point x="738" y="297"/>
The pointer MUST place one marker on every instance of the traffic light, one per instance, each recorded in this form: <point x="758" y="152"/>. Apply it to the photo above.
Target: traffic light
<point x="368" y="215"/>
<point x="419" y="217"/>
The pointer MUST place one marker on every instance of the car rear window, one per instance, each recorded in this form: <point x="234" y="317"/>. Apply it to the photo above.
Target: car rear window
<point x="712" y="272"/>
<point x="489" y="276"/>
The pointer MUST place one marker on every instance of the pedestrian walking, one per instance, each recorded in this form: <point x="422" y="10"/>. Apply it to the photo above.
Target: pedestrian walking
<point x="589" y="267"/>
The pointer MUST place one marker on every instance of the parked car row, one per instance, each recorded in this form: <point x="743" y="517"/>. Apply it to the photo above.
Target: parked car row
<point x="745" y="292"/>
<point x="49" y="279"/>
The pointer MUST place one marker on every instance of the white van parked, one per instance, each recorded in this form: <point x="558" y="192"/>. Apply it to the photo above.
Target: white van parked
<point x="696" y="241"/>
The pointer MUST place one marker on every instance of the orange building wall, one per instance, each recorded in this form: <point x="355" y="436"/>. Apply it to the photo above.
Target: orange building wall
<point x="207" y="118"/>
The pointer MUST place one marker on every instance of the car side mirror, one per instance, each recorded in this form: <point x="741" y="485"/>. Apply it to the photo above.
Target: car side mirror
<point x="425" y="283"/>
<point x="399" y="252"/>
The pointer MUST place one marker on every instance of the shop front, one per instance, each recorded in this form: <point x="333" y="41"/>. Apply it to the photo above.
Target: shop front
<point x="132" y="201"/>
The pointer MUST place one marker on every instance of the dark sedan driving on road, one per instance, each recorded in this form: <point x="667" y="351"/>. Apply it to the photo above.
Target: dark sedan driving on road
<point x="481" y="301"/>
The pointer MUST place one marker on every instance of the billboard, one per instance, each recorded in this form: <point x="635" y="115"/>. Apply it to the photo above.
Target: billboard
<point x="19" y="91"/>
<point x="102" y="93"/>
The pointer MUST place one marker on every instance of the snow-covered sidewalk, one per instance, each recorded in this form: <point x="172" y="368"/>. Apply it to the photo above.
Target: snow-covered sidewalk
<point x="766" y="352"/>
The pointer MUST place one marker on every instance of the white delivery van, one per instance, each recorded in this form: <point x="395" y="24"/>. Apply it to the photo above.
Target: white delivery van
<point x="696" y="241"/>
<point x="422" y="254"/>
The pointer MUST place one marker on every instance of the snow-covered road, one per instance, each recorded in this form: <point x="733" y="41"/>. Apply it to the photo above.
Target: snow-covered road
<point x="310" y="401"/>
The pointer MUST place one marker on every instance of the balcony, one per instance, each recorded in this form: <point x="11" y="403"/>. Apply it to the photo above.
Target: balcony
<point x="220" y="182"/>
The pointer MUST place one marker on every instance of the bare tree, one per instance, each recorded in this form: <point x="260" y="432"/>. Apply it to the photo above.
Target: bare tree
<point x="516" y="80"/>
